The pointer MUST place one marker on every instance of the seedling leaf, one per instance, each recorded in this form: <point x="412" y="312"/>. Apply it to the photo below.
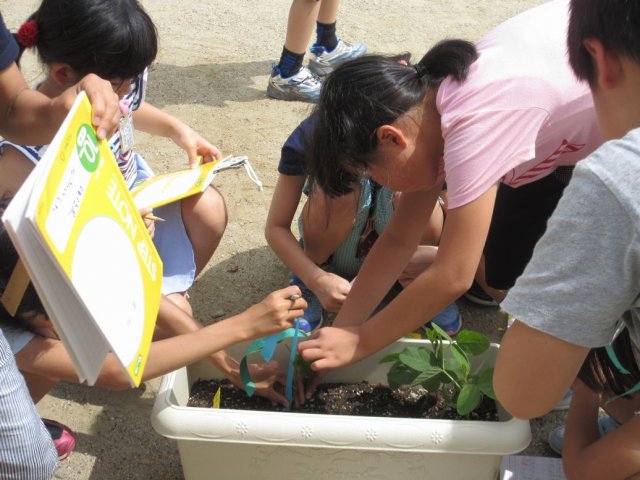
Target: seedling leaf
<point x="485" y="383"/>
<point x="399" y="375"/>
<point x="416" y="358"/>
<point x="391" y="358"/>
<point x="427" y="377"/>
<point x="469" y="398"/>
<point x="473" y="343"/>
<point x="441" y="333"/>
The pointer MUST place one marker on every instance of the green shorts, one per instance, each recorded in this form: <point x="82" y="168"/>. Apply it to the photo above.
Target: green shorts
<point x="344" y="261"/>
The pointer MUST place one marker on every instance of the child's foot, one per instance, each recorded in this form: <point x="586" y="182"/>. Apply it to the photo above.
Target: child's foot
<point x="564" y="403"/>
<point x="312" y="318"/>
<point x="449" y="319"/>
<point x="556" y="436"/>
<point x="304" y="86"/>
<point x="63" y="438"/>
<point x="478" y="296"/>
<point x="323" y="63"/>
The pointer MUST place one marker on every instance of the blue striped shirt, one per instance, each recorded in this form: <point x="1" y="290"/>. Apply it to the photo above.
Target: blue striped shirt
<point x="126" y="160"/>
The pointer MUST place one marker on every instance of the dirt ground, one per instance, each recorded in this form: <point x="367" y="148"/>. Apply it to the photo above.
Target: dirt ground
<point x="212" y="69"/>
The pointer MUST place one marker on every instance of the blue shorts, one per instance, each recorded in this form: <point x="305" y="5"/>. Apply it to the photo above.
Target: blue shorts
<point x="171" y="242"/>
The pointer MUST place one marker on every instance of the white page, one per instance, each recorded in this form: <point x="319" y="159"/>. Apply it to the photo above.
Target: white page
<point x="84" y="342"/>
<point x="523" y="467"/>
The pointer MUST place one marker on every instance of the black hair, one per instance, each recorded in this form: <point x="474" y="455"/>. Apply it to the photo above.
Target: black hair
<point x="599" y="373"/>
<point x="30" y="304"/>
<point x="361" y="95"/>
<point x="616" y="23"/>
<point x="114" y="39"/>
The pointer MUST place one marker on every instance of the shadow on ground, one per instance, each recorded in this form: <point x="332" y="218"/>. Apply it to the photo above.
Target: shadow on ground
<point x="174" y="85"/>
<point x="116" y="433"/>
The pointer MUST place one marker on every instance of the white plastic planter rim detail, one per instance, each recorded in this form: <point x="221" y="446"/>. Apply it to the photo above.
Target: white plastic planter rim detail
<point x="173" y="419"/>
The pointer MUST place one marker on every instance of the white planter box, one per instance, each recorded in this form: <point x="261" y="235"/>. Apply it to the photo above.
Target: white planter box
<point x="238" y="444"/>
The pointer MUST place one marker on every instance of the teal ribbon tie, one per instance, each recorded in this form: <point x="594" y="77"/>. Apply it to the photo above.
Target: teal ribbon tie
<point x="267" y="346"/>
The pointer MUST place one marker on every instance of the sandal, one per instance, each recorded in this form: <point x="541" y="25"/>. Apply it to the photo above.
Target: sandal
<point x="63" y="437"/>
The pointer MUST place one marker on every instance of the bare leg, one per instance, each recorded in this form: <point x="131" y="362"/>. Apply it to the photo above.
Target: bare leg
<point x="425" y="253"/>
<point x="205" y="219"/>
<point x="181" y="299"/>
<point x="497" y="295"/>
<point x="301" y="24"/>
<point x="328" y="11"/>
<point x="38" y="385"/>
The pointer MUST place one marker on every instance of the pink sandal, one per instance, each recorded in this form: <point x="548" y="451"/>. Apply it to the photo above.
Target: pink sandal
<point x="63" y="437"/>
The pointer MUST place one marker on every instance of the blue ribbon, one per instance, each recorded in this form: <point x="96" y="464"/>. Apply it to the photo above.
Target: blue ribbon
<point x="288" y="392"/>
<point x="266" y="346"/>
<point x="616" y="362"/>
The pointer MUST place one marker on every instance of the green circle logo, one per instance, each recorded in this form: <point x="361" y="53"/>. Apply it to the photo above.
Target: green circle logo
<point x="87" y="148"/>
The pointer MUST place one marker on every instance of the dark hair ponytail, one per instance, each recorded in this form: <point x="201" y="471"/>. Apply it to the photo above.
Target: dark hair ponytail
<point x="26" y="36"/>
<point x="449" y="58"/>
<point x="365" y="93"/>
<point x="115" y="39"/>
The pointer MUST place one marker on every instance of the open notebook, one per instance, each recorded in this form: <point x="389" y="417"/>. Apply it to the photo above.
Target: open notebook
<point x="170" y="187"/>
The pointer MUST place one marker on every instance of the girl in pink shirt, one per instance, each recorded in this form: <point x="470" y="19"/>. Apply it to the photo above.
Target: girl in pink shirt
<point x="501" y="123"/>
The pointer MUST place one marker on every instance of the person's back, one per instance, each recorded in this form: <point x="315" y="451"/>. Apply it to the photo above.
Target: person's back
<point x="604" y="188"/>
<point x="582" y="287"/>
<point x="525" y="105"/>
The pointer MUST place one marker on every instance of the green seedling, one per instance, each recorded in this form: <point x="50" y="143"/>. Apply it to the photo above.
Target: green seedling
<point x="445" y="368"/>
<point x="302" y="367"/>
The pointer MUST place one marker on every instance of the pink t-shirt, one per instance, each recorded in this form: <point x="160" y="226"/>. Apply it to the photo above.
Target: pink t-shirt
<point x="521" y="112"/>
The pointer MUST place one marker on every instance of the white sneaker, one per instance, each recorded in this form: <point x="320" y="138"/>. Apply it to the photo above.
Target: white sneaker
<point x="565" y="402"/>
<point x="304" y="86"/>
<point x="323" y="63"/>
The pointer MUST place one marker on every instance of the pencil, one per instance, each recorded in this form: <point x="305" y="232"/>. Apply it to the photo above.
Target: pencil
<point x="154" y="218"/>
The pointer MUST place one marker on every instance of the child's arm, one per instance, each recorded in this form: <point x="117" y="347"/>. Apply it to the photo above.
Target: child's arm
<point x="29" y="117"/>
<point x="443" y="282"/>
<point x="175" y="322"/>
<point x="48" y="357"/>
<point x="528" y="353"/>
<point x="330" y="289"/>
<point x="152" y="120"/>
<point x="586" y="455"/>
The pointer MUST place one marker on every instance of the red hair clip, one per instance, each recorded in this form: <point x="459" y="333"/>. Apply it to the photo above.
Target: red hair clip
<point x="28" y="33"/>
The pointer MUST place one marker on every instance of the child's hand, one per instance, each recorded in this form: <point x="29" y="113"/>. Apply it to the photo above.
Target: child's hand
<point x="104" y="103"/>
<point x="194" y="145"/>
<point x="332" y="347"/>
<point x="307" y="386"/>
<point x="275" y="313"/>
<point x="331" y="290"/>
<point x="266" y="378"/>
<point x="150" y="224"/>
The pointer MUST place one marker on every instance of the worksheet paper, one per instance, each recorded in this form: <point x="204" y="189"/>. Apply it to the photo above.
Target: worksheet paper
<point x="523" y="467"/>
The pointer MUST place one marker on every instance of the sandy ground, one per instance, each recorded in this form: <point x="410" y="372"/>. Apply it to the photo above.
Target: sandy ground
<point x="212" y="69"/>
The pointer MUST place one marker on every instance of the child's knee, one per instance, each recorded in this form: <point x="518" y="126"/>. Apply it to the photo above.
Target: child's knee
<point x="209" y="207"/>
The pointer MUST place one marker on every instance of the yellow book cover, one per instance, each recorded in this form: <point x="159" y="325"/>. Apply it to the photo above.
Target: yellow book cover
<point x="87" y="220"/>
<point x="169" y="187"/>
